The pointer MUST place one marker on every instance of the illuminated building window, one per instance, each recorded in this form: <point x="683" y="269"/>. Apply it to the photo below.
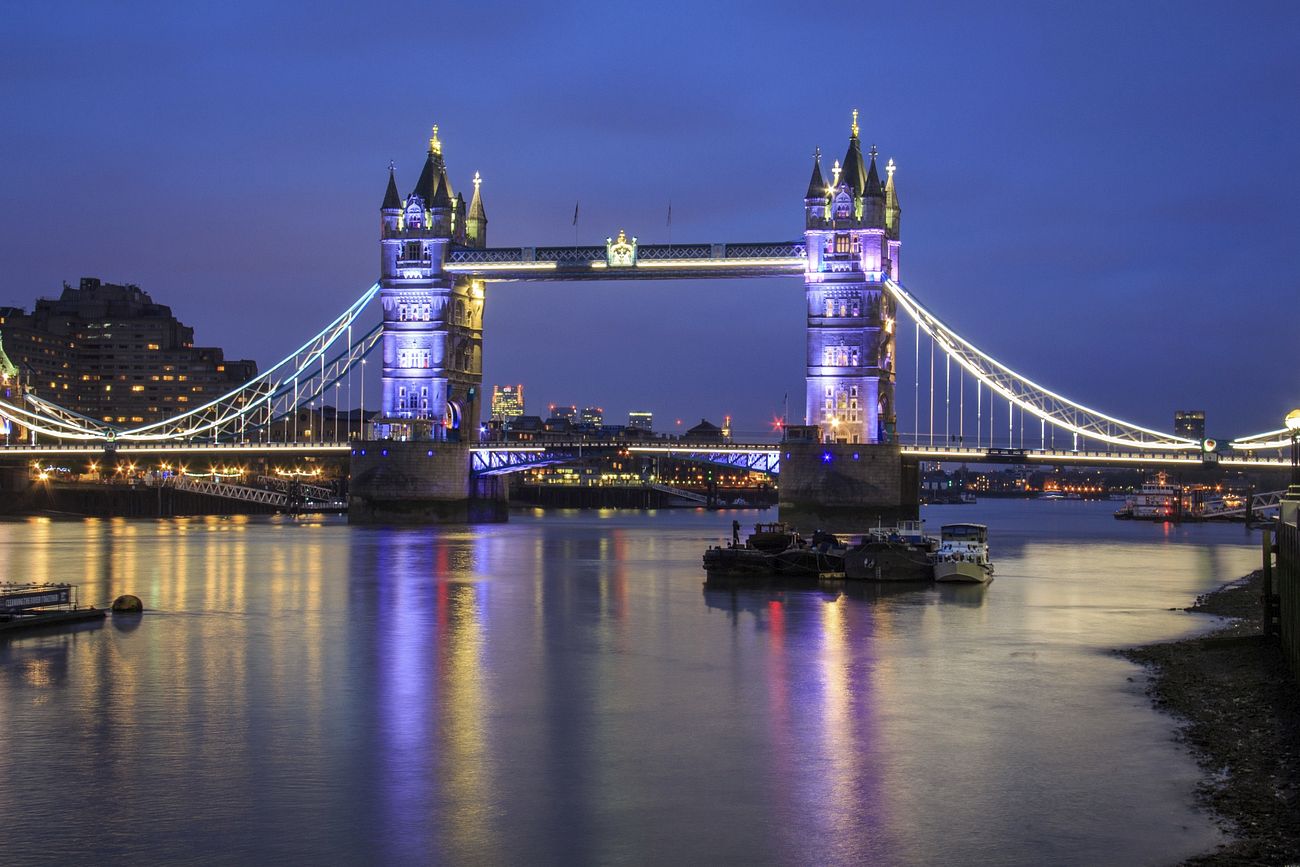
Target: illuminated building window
<point x="843" y="243"/>
<point x="137" y="388"/>
<point x="830" y="307"/>
<point x="857" y="307"/>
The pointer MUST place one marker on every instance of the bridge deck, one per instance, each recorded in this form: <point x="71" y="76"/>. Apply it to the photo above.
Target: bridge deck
<point x="760" y="456"/>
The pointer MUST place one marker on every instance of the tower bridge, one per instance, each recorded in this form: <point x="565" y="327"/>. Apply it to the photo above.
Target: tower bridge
<point x="418" y="457"/>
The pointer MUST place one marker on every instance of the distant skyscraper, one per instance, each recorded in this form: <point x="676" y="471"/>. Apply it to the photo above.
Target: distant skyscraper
<point x="507" y="402"/>
<point x="1190" y="423"/>
<point x="593" y="416"/>
<point x="568" y="413"/>
<point x="641" y="421"/>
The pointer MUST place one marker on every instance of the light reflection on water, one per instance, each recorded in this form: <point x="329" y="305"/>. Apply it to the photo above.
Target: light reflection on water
<point x="566" y="689"/>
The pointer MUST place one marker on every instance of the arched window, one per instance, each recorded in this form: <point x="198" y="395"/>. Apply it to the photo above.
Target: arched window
<point x="830" y="307"/>
<point x="853" y="358"/>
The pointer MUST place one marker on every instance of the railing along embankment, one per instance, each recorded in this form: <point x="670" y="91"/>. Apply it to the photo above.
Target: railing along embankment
<point x="1288" y="588"/>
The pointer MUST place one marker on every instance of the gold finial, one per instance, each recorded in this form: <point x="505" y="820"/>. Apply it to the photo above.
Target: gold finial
<point x="622" y="237"/>
<point x="478" y="180"/>
<point x="873" y="151"/>
<point x="835" y="173"/>
<point x="435" y="146"/>
<point x="391" y="167"/>
<point x="855" y="123"/>
<point x="889" y="168"/>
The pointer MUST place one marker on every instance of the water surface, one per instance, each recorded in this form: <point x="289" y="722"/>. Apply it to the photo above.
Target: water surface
<point x="565" y="689"/>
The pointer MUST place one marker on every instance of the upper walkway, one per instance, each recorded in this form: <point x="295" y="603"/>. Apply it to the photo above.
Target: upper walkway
<point x="624" y="259"/>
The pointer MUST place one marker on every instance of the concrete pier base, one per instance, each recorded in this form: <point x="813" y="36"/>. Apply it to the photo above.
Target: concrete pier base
<point x="843" y="488"/>
<point x="421" y="482"/>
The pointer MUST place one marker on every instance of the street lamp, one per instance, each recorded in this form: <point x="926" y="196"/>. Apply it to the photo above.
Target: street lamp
<point x="1293" y="425"/>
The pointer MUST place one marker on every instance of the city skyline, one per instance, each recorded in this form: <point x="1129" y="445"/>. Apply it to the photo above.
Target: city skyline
<point x="1096" y="210"/>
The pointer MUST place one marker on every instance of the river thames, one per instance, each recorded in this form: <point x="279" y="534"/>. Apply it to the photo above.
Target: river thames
<point x="565" y="689"/>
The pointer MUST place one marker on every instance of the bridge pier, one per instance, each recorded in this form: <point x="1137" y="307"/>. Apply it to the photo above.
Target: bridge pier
<point x="421" y="482"/>
<point x="847" y="488"/>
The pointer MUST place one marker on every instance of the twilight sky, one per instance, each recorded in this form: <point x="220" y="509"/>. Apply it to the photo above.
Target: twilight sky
<point x="1105" y="196"/>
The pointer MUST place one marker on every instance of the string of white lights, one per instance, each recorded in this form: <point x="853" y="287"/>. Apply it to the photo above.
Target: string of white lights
<point x="1023" y="392"/>
<point x="264" y="390"/>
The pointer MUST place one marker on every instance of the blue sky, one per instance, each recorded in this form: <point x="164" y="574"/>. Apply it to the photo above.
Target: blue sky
<point x="1106" y="196"/>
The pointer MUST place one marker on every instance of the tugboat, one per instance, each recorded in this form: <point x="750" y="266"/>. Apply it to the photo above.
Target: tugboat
<point x="963" y="554"/>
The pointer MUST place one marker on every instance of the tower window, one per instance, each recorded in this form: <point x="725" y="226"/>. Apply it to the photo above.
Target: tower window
<point x="843" y="244"/>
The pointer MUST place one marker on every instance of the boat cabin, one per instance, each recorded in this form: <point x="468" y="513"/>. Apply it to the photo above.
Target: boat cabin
<point x="978" y="533"/>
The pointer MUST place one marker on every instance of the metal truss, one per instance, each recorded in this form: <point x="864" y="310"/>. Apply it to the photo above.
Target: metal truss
<point x="757" y="459"/>
<point x="1029" y="395"/>
<point x="499" y="460"/>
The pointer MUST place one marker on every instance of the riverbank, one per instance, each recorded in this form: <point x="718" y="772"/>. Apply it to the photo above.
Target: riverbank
<point x="1241" y="719"/>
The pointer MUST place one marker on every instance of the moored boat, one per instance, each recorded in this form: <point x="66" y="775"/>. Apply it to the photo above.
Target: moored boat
<point x="886" y="560"/>
<point x="963" y="554"/>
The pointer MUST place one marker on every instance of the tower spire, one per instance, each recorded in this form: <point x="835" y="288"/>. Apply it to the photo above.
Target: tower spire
<point x="476" y="211"/>
<point x="435" y="146"/>
<point x="854" y="127"/>
<point x="392" y="201"/>
<point x="872" y="186"/>
<point x="817" y="184"/>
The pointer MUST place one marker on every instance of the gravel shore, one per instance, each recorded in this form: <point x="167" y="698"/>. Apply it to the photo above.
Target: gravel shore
<point x="1240" y="711"/>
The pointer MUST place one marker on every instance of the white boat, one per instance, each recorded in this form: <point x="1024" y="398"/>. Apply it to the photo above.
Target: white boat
<point x="1156" y="501"/>
<point x="963" y="554"/>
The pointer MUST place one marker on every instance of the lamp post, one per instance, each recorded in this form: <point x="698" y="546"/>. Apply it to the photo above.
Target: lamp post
<point x="1293" y="426"/>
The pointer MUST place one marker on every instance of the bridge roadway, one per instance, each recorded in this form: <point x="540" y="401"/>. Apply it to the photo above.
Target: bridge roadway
<point x="766" y="457"/>
<point x="495" y="459"/>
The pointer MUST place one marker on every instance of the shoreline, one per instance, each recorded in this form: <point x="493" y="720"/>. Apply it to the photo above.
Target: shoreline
<point x="1238" y="709"/>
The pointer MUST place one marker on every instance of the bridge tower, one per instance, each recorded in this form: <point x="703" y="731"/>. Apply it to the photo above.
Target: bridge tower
<point x="414" y="464"/>
<point x="843" y="470"/>
<point x="851" y="234"/>
<point x="433" y="321"/>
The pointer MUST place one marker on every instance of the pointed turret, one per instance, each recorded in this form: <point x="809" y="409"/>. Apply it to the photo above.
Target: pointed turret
<point x="854" y="174"/>
<point x="390" y="212"/>
<point x="427" y="186"/>
<point x="892" y="210"/>
<point x="442" y="193"/>
<point x="476" y="222"/>
<point x="873" y="187"/>
<point x="392" y="201"/>
<point x="817" y="184"/>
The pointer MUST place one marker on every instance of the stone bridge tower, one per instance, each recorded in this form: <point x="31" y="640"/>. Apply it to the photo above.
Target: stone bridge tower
<point x="433" y="321"/>
<point x="851" y="232"/>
